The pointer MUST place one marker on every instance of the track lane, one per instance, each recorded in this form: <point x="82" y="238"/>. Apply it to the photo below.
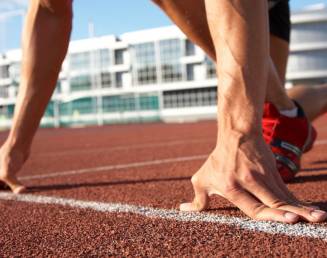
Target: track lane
<point x="159" y="186"/>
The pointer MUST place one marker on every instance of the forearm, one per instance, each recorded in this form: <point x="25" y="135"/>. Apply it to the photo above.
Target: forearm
<point x="45" y="43"/>
<point x="240" y="34"/>
<point x="190" y="17"/>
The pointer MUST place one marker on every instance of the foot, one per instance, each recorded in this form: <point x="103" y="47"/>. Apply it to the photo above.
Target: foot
<point x="244" y="173"/>
<point x="288" y="138"/>
<point x="10" y="163"/>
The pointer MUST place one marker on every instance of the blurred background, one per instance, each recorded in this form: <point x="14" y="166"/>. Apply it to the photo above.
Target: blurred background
<point x="141" y="68"/>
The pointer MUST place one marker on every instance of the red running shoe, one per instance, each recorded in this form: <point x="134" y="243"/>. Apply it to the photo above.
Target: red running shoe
<point x="288" y="138"/>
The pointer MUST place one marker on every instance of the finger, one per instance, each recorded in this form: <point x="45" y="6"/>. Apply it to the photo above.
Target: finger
<point x="15" y="186"/>
<point x="281" y="184"/>
<point x="257" y="210"/>
<point x="285" y="202"/>
<point x="200" y="201"/>
<point x="306" y="213"/>
<point x="290" y="196"/>
<point x="270" y="195"/>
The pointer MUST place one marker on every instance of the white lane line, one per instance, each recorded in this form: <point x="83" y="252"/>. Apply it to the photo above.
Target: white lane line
<point x="135" y="147"/>
<point x="125" y="166"/>
<point x="298" y="230"/>
<point x="114" y="167"/>
<point x="129" y="147"/>
<point x="321" y="142"/>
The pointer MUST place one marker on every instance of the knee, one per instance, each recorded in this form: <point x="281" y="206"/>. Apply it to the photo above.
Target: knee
<point x="59" y="8"/>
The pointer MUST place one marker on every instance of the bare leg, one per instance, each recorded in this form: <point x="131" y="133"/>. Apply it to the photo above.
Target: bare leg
<point x="279" y="51"/>
<point x="216" y="175"/>
<point x="313" y="99"/>
<point x="190" y="17"/>
<point x="45" y="42"/>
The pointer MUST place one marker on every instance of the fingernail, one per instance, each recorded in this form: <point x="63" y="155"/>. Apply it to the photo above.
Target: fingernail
<point x="291" y="216"/>
<point x="318" y="213"/>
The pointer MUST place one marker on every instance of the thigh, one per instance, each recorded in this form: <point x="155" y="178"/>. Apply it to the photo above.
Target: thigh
<point x="279" y="25"/>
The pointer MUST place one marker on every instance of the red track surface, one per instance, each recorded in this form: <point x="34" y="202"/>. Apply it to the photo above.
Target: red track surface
<point x="31" y="229"/>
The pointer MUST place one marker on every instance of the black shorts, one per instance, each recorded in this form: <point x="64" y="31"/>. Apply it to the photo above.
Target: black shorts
<point x="279" y="19"/>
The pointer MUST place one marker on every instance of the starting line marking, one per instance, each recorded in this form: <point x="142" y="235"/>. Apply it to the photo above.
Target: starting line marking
<point x="298" y="230"/>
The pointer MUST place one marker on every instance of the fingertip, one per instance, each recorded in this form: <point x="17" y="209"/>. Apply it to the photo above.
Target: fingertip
<point x="278" y="216"/>
<point x="19" y="189"/>
<point x="319" y="215"/>
<point x="186" y="207"/>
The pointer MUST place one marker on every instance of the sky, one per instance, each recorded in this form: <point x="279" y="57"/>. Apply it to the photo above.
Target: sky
<point x="108" y="16"/>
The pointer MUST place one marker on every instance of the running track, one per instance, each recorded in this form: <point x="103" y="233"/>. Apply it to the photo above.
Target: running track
<point x="114" y="191"/>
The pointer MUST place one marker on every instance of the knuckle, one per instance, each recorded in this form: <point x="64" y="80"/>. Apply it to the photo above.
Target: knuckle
<point x="275" y="204"/>
<point x="256" y="211"/>
<point x="249" y="178"/>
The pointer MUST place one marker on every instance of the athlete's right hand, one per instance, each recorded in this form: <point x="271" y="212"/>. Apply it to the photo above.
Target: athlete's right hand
<point x="245" y="174"/>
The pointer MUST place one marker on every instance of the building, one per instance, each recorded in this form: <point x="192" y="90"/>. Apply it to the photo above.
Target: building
<point x="151" y="75"/>
<point x="308" y="60"/>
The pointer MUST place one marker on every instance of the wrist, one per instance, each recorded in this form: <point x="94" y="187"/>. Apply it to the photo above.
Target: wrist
<point x="239" y="115"/>
<point x="234" y="124"/>
<point x="230" y="136"/>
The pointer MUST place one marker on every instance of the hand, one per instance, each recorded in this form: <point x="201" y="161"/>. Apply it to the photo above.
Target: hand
<point x="244" y="172"/>
<point x="11" y="162"/>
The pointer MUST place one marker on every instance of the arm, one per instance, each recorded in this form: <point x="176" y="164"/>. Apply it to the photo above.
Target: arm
<point x="45" y="42"/>
<point x="242" y="168"/>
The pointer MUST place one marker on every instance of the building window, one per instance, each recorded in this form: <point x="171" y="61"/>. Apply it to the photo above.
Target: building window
<point x="78" y="107"/>
<point x="148" y="101"/>
<point x="103" y="58"/>
<point x="119" y="56"/>
<point x="210" y="69"/>
<point x="4" y="92"/>
<point x="145" y="63"/>
<point x="80" y="83"/>
<point x="106" y="81"/>
<point x="58" y="87"/>
<point x="170" y="54"/>
<point x="189" y="48"/>
<point x="3" y="112"/>
<point x="190" y="72"/>
<point x="119" y="103"/>
<point x="308" y="61"/>
<point x="119" y="79"/>
<point x="7" y="111"/>
<point x="190" y="98"/>
<point x="4" y="71"/>
<point x="14" y="71"/>
<point x="80" y="61"/>
<point x="312" y="32"/>
<point x="49" y="111"/>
